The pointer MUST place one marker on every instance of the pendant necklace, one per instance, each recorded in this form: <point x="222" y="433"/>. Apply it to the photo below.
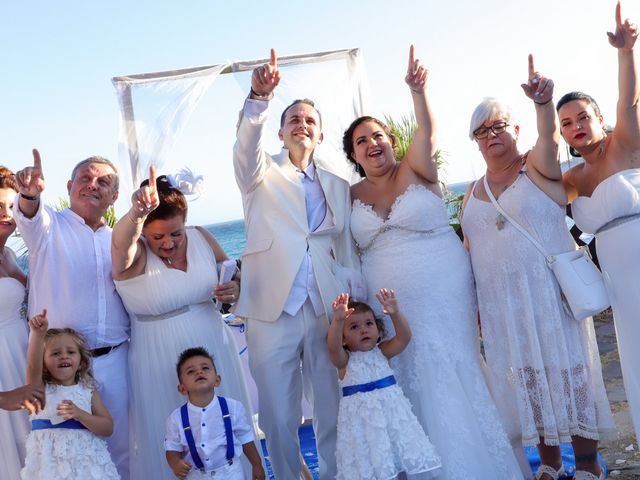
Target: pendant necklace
<point x="500" y="220"/>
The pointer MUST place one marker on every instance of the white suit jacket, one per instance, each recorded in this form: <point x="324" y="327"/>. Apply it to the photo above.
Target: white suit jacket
<point x="278" y="233"/>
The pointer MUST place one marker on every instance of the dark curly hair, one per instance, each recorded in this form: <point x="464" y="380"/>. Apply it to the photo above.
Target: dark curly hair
<point x="172" y="201"/>
<point x="347" y="139"/>
<point x="361" y="307"/>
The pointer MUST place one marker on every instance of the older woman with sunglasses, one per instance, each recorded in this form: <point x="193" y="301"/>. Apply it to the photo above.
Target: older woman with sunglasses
<point x="543" y="363"/>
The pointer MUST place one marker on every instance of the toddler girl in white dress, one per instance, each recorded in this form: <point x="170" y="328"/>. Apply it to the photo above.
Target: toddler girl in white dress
<point x="64" y="440"/>
<point x="378" y="434"/>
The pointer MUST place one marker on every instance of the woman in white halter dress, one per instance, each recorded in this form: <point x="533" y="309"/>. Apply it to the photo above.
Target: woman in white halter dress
<point x="167" y="290"/>
<point x="605" y="194"/>
<point x="14" y="426"/>
<point x="402" y="229"/>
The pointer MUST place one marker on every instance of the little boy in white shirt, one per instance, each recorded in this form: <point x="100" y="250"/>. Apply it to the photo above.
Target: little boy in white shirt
<point x="207" y="435"/>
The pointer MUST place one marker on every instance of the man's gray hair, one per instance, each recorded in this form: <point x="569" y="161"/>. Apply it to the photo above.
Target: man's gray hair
<point x="97" y="159"/>
<point x="489" y="109"/>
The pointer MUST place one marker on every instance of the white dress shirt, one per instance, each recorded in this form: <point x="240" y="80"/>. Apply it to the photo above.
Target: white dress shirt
<point x="208" y="432"/>
<point x="70" y="275"/>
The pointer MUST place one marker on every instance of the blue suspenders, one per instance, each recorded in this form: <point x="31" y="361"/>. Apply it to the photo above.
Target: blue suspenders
<point x="227" y="428"/>
<point x="186" y="426"/>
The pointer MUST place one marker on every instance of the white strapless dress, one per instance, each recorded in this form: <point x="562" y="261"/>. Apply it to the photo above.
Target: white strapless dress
<point x="171" y="311"/>
<point x="14" y="426"/>
<point x="613" y="214"/>
<point x="416" y="253"/>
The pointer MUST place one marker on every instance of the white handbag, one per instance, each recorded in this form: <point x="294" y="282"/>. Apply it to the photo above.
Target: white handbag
<point x="580" y="280"/>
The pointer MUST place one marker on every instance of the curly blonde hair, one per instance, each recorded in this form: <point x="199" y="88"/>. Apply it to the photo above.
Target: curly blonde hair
<point x="84" y="374"/>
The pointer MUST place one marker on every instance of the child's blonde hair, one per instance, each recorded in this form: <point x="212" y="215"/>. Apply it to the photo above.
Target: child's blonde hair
<point x="84" y="373"/>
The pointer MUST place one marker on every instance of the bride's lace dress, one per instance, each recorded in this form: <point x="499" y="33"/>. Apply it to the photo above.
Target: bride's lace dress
<point x="416" y="253"/>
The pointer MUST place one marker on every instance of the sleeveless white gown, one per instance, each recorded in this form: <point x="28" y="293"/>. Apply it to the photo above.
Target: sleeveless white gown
<point x="14" y="426"/>
<point x="171" y="311"/>
<point x="618" y="250"/>
<point x="416" y="253"/>
<point x="63" y="453"/>
<point x="378" y="434"/>
<point x="544" y="361"/>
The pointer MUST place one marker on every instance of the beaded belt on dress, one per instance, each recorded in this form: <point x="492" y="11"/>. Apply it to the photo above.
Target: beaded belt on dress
<point x="617" y="221"/>
<point x="434" y="231"/>
<point x="170" y="313"/>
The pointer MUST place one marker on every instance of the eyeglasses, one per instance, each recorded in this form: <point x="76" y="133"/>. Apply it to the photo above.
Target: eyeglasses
<point x="496" y="128"/>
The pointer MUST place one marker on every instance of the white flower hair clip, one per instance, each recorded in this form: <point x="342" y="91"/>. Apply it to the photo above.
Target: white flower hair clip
<point x="187" y="182"/>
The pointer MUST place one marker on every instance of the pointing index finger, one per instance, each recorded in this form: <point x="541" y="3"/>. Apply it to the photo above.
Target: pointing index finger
<point x="618" y="15"/>
<point x="152" y="178"/>
<point x="411" y="60"/>
<point x="37" y="162"/>
<point x="274" y="59"/>
<point x="532" y="70"/>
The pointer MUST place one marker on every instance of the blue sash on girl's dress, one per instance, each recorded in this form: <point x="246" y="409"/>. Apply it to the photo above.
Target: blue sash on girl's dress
<point x="186" y="426"/>
<point x="368" y="387"/>
<point x="41" y="424"/>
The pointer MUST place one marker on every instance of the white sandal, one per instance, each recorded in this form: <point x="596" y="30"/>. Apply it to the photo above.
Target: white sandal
<point x="552" y="472"/>
<point x="584" y="475"/>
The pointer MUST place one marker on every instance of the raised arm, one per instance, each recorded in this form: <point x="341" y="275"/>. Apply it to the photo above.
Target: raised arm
<point x="397" y="344"/>
<point x="337" y="353"/>
<point x="544" y="155"/>
<point x="627" y="130"/>
<point x="30" y="185"/>
<point x="249" y="159"/>
<point x="126" y="249"/>
<point x="35" y="353"/>
<point x="421" y="154"/>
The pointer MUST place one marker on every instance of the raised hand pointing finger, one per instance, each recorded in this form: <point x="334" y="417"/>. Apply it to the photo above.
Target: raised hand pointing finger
<point x="265" y="79"/>
<point x="417" y="74"/>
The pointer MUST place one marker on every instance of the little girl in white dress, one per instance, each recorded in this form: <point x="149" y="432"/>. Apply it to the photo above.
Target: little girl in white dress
<point x="64" y="442"/>
<point x="378" y="434"/>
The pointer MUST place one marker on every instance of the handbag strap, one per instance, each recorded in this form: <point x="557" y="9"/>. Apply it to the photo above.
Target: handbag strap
<point x="518" y="227"/>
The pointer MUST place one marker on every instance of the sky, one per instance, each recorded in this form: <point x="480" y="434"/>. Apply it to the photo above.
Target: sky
<point x="59" y="58"/>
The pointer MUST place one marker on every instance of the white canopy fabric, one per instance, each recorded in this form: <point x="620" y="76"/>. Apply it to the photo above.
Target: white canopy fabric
<point x="174" y="119"/>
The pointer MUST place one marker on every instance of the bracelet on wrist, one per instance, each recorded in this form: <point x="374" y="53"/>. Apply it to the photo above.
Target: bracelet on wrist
<point x="260" y="95"/>
<point x="30" y="198"/>
<point x="542" y="103"/>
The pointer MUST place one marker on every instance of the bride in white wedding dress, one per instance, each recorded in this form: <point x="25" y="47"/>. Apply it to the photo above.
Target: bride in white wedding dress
<point x="401" y="226"/>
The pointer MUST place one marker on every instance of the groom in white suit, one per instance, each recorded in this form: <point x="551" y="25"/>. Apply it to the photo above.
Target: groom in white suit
<point x="298" y="243"/>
